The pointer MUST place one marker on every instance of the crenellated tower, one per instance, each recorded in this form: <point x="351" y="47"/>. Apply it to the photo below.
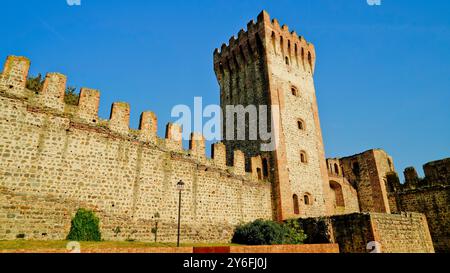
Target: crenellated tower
<point x="269" y="65"/>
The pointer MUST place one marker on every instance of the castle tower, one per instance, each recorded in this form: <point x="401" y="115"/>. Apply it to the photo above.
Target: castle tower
<point x="368" y="172"/>
<point x="269" y="65"/>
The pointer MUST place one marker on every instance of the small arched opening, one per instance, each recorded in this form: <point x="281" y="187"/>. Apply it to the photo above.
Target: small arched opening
<point x="296" y="204"/>
<point x="336" y="169"/>
<point x="338" y="195"/>
<point x="303" y="157"/>
<point x="307" y="199"/>
<point x="301" y="124"/>
<point x="259" y="172"/>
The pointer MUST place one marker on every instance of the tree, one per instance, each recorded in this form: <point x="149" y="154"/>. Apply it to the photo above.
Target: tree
<point x="35" y="83"/>
<point x="71" y="97"/>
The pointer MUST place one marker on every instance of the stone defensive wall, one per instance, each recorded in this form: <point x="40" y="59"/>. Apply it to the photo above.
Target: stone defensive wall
<point x="57" y="158"/>
<point x="429" y="195"/>
<point x="371" y="232"/>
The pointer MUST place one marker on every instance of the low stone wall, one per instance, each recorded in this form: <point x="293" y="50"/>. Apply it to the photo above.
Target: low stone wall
<point x="394" y="233"/>
<point x="155" y="250"/>
<point x="402" y="233"/>
<point x="433" y="201"/>
<point x="315" y="248"/>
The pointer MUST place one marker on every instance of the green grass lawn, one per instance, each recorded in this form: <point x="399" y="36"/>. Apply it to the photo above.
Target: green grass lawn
<point x="36" y="245"/>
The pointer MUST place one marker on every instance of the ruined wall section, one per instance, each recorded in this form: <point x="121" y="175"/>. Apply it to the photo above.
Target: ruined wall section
<point x="429" y="195"/>
<point x="367" y="172"/>
<point x="358" y="232"/>
<point x="344" y="197"/>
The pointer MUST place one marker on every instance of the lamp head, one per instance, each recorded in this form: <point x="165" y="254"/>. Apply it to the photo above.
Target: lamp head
<point x="180" y="185"/>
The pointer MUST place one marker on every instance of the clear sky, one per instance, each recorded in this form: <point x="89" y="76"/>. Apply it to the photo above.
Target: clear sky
<point x="382" y="74"/>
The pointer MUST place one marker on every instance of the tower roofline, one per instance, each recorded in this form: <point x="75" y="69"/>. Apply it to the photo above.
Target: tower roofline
<point x="246" y="43"/>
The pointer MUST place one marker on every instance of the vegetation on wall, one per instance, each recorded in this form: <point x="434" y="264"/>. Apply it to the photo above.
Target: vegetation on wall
<point x="264" y="232"/>
<point x="71" y="97"/>
<point x="85" y="227"/>
<point x="36" y="84"/>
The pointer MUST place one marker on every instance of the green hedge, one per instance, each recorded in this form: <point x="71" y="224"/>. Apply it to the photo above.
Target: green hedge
<point x="85" y="227"/>
<point x="263" y="232"/>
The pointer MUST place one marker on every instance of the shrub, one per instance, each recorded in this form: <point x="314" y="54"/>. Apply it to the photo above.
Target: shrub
<point x="261" y="232"/>
<point x="318" y="230"/>
<point x="294" y="233"/>
<point x="85" y="227"/>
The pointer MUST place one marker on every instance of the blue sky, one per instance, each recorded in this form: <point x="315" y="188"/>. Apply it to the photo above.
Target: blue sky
<point x="382" y="73"/>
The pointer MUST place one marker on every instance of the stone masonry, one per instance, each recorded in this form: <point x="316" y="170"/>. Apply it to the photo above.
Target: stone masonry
<point x="57" y="158"/>
<point x="429" y="195"/>
<point x="269" y="65"/>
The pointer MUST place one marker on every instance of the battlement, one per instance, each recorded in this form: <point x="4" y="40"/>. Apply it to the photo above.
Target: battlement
<point x="437" y="173"/>
<point x="265" y="36"/>
<point x="13" y="79"/>
<point x="51" y="100"/>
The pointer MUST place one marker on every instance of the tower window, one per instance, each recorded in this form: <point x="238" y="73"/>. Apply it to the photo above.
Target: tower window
<point x="307" y="199"/>
<point x="265" y="166"/>
<point x="338" y="194"/>
<point x="356" y="168"/>
<point x="294" y="90"/>
<point x="273" y="42"/>
<point x="336" y="168"/>
<point x="287" y="60"/>
<point x="301" y="124"/>
<point x="258" y="171"/>
<point x="303" y="157"/>
<point x="296" y="204"/>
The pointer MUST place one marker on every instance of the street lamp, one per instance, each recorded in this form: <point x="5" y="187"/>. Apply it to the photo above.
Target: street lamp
<point x="180" y="188"/>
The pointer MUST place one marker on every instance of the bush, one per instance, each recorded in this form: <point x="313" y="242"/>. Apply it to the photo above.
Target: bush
<point x="85" y="227"/>
<point x="261" y="232"/>
<point x="294" y="233"/>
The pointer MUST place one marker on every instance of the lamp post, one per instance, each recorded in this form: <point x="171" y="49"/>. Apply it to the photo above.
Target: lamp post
<point x="180" y="188"/>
